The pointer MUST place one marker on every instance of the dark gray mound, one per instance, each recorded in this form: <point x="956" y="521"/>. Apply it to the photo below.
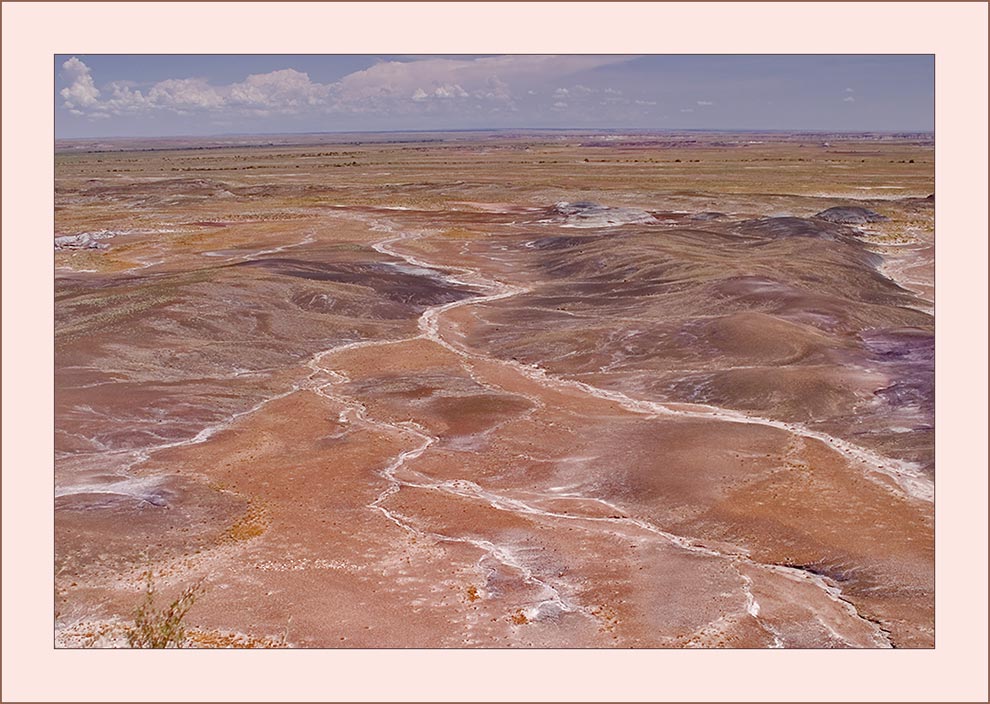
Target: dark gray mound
<point x="387" y="281"/>
<point x="559" y="242"/>
<point x="908" y="354"/>
<point x="850" y="215"/>
<point x="783" y="227"/>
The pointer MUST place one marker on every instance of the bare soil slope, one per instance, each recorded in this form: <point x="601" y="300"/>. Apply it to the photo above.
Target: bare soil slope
<point x="499" y="391"/>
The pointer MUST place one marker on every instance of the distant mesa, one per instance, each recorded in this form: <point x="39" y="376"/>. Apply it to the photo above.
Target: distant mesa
<point x="586" y="214"/>
<point x="850" y="215"/>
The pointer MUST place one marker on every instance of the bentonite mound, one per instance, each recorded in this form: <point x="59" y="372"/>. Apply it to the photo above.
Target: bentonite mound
<point x="86" y="240"/>
<point x="585" y="214"/>
<point x="783" y="227"/>
<point x="850" y="215"/>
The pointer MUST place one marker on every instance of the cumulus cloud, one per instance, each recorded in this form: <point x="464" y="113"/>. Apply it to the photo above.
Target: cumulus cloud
<point x="705" y="103"/>
<point x="449" y="90"/>
<point x="687" y="109"/>
<point x="185" y="94"/>
<point x="81" y="91"/>
<point x="446" y="91"/>
<point x="577" y="92"/>
<point x="284" y="91"/>
<point x="850" y="90"/>
<point x="495" y="89"/>
<point x="849" y="99"/>
<point x="287" y="89"/>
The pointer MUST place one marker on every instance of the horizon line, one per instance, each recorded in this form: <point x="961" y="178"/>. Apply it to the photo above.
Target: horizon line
<point x="640" y="130"/>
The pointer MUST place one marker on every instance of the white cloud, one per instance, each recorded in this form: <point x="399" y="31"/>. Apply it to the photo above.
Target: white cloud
<point x="495" y="89"/>
<point x="185" y="94"/>
<point x="386" y="87"/>
<point x="705" y="103"/>
<point x="687" y="109"/>
<point x="850" y="90"/>
<point x="646" y="102"/>
<point x="287" y="89"/>
<point x="450" y="91"/>
<point x="849" y="99"/>
<point x="284" y="91"/>
<point x="442" y="92"/>
<point x="81" y="91"/>
<point x="499" y="78"/>
<point x="123" y="100"/>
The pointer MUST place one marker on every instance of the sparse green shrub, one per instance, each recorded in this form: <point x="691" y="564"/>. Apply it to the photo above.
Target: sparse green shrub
<point x="161" y="628"/>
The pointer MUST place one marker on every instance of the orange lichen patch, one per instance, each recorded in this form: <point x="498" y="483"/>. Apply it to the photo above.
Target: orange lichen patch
<point x="608" y="617"/>
<point x="90" y="260"/>
<point x="519" y="618"/>
<point x="221" y="639"/>
<point x="472" y="593"/>
<point x="251" y="524"/>
<point x="100" y="634"/>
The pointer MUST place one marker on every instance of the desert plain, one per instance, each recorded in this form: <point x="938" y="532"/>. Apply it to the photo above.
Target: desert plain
<point x="513" y="389"/>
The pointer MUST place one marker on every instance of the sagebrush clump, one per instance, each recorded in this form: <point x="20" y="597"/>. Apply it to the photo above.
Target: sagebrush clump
<point x="161" y="628"/>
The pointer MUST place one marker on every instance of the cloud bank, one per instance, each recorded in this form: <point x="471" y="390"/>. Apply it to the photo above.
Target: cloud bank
<point x="388" y="87"/>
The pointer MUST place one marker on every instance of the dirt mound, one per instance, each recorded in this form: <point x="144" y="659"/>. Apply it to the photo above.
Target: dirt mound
<point x="387" y="281"/>
<point x="781" y="227"/>
<point x="850" y="215"/>
<point x="586" y="214"/>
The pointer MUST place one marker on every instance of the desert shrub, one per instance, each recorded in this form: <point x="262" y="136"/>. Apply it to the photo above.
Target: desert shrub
<point x="161" y="628"/>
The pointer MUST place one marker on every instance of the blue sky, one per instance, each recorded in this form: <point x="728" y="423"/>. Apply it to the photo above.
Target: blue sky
<point x="165" y="95"/>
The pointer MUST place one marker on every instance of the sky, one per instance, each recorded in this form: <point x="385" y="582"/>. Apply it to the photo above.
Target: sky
<point x="177" y="95"/>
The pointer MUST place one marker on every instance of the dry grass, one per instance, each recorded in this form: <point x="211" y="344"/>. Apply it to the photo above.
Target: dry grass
<point x="161" y="628"/>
